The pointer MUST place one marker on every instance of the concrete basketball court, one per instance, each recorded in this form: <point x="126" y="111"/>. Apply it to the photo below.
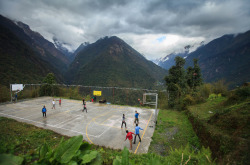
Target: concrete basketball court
<point x="101" y="125"/>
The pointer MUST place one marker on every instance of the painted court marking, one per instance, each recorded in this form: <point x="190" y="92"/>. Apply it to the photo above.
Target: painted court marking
<point x="101" y="121"/>
<point x="94" y="119"/>
<point x="143" y="133"/>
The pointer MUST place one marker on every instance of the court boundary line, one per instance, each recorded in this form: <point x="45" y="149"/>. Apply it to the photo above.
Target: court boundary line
<point x="91" y="121"/>
<point x="143" y="133"/>
<point x="46" y="124"/>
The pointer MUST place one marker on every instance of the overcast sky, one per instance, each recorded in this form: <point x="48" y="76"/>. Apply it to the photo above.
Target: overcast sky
<point x="155" y="28"/>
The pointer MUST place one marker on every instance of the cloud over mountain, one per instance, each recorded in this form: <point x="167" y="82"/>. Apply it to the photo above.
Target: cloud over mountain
<point x="140" y="23"/>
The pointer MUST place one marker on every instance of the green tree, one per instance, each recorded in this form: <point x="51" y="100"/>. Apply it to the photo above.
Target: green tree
<point x="197" y="77"/>
<point x="49" y="89"/>
<point x="194" y="77"/>
<point x="50" y="79"/>
<point x="176" y="81"/>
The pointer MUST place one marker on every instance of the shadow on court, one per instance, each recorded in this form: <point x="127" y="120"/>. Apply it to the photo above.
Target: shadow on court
<point x="101" y="125"/>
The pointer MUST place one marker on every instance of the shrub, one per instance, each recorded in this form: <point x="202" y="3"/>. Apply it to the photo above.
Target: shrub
<point x="243" y="92"/>
<point x="205" y="90"/>
<point x="188" y="100"/>
<point x="220" y="87"/>
<point x="238" y="95"/>
<point x="4" y="93"/>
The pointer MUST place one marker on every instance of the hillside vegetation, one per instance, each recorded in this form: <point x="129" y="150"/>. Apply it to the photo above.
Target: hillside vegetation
<point x="225" y="58"/>
<point x="14" y="55"/>
<point x="33" y="145"/>
<point x="222" y="123"/>
<point x="112" y="62"/>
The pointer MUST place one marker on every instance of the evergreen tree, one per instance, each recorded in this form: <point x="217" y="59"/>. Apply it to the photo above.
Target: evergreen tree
<point x="49" y="79"/>
<point x="189" y="77"/>
<point x="193" y="77"/>
<point x="197" y="77"/>
<point x="176" y="81"/>
<point x="49" y="89"/>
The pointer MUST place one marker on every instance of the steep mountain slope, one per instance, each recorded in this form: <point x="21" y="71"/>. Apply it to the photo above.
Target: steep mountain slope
<point x="112" y="62"/>
<point x="62" y="47"/>
<point x="81" y="47"/>
<point x="168" y="61"/>
<point x="19" y="63"/>
<point x="41" y="46"/>
<point x="227" y="57"/>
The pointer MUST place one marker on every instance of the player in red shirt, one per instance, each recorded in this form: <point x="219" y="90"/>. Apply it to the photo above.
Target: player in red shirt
<point x="60" y="102"/>
<point x="129" y="136"/>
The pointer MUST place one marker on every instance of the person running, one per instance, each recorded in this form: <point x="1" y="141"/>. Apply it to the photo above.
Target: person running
<point x="84" y="107"/>
<point x="123" y="121"/>
<point x="136" y="117"/>
<point x="44" y="110"/>
<point x="137" y="132"/>
<point x="129" y="136"/>
<point x="53" y="104"/>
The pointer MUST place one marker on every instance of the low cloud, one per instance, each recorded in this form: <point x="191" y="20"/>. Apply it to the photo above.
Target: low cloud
<point x="140" y="23"/>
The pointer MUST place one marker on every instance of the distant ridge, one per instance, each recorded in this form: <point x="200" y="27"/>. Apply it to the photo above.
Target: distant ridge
<point x="227" y="57"/>
<point x="22" y="60"/>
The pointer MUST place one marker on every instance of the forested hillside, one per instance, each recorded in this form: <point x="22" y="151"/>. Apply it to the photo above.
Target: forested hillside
<point x="225" y="58"/>
<point x="112" y="62"/>
<point x="19" y="63"/>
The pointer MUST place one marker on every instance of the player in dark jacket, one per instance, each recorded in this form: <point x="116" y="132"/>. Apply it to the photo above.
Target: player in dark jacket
<point x="44" y="110"/>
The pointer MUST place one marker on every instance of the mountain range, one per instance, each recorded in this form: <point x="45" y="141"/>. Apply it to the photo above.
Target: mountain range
<point x="110" y="61"/>
<point x="227" y="58"/>
<point x="22" y="59"/>
<point x="107" y="62"/>
<point x="168" y="61"/>
<point x="27" y="57"/>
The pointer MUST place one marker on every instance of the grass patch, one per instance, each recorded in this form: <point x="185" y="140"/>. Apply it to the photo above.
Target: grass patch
<point x="205" y="110"/>
<point x="23" y="139"/>
<point x="173" y="130"/>
<point x="226" y="130"/>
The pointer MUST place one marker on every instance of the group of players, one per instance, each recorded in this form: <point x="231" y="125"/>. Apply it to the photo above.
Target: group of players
<point x="129" y="135"/>
<point x="44" y="110"/>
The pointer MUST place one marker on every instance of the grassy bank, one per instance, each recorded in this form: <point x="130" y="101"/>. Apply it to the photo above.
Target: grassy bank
<point x="26" y="140"/>
<point x="223" y="125"/>
<point x="173" y="131"/>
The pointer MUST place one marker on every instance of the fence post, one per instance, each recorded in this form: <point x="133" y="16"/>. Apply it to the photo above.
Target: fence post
<point x="10" y="93"/>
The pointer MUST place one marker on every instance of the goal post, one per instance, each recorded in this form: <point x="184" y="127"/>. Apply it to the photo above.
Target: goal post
<point x="151" y="99"/>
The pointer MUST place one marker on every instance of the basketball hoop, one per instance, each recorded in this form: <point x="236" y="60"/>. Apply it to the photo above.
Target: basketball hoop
<point x="151" y="99"/>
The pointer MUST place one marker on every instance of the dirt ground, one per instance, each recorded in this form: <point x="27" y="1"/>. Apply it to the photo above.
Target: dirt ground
<point x="101" y="124"/>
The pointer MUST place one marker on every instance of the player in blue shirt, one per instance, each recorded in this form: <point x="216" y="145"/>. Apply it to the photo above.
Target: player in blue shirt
<point x="136" y="118"/>
<point x="44" y="110"/>
<point x="137" y="132"/>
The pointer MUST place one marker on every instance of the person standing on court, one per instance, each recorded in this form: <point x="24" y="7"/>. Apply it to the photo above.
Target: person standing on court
<point x="137" y="132"/>
<point x="129" y="136"/>
<point x="84" y="107"/>
<point x="16" y="97"/>
<point x="44" y="110"/>
<point x="136" y="117"/>
<point x="123" y="121"/>
<point x="60" y="102"/>
<point x="53" y="104"/>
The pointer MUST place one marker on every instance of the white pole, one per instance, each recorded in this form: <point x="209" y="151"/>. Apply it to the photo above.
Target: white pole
<point x="156" y="113"/>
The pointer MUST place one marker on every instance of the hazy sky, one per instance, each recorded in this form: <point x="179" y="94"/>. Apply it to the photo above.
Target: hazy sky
<point x="155" y="28"/>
